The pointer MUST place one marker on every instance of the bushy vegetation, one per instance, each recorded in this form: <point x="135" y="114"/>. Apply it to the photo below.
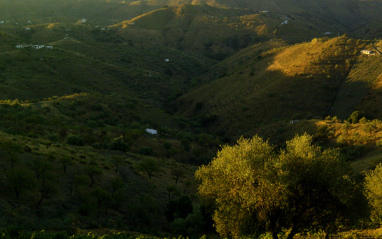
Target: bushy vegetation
<point x="302" y="188"/>
<point x="77" y="148"/>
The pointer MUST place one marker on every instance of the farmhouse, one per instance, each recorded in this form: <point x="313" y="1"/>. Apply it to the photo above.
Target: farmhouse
<point x="38" y="46"/>
<point x="368" y="52"/>
<point x="152" y="131"/>
<point x="293" y="121"/>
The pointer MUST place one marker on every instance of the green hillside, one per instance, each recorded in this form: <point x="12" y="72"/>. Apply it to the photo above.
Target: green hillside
<point x="271" y="82"/>
<point x="99" y="61"/>
<point x="84" y="84"/>
<point x="219" y="32"/>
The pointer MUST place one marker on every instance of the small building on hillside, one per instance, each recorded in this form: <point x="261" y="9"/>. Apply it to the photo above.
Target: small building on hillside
<point x="327" y="33"/>
<point x="152" y="131"/>
<point x="368" y="52"/>
<point x="294" y="121"/>
<point x="38" y="46"/>
<point x="284" y="22"/>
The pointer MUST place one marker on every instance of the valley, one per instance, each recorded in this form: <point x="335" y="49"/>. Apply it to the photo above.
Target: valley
<point x="108" y="108"/>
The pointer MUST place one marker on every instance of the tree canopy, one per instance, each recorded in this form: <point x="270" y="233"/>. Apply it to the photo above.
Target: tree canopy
<point x="254" y="188"/>
<point x="373" y="189"/>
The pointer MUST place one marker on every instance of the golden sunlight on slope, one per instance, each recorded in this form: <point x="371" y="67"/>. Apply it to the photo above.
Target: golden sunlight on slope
<point x="300" y="58"/>
<point x="52" y="25"/>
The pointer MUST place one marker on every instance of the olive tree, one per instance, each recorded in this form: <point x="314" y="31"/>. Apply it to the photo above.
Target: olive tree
<point x="373" y="189"/>
<point x="300" y="188"/>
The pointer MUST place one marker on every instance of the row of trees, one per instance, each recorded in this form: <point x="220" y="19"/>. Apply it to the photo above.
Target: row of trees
<point x="254" y="188"/>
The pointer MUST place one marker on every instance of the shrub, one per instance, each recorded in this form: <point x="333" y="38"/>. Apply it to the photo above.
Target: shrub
<point x="146" y="151"/>
<point x="379" y="143"/>
<point x="354" y="117"/>
<point x="118" y="144"/>
<point x="75" y="140"/>
<point x="190" y="225"/>
<point x="150" y="166"/>
<point x="363" y="120"/>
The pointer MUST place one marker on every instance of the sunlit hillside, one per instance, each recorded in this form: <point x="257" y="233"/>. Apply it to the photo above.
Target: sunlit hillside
<point x="273" y="82"/>
<point x="109" y="107"/>
<point x="218" y="32"/>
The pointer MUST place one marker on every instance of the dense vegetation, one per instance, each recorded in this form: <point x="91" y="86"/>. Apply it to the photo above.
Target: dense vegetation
<point x="85" y="84"/>
<point x="302" y="188"/>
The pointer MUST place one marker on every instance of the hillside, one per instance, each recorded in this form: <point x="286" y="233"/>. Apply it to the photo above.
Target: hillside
<point x="351" y="14"/>
<point x="340" y="14"/>
<point x="356" y="92"/>
<point x="271" y="82"/>
<point x="213" y="32"/>
<point x="108" y="107"/>
<point x="219" y="32"/>
<point x="100" y="61"/>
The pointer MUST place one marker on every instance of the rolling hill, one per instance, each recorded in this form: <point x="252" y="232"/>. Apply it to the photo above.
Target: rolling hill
<point x="273" y="81"/>
<point x="201" y="72"/>
<point x="219" y="32"/>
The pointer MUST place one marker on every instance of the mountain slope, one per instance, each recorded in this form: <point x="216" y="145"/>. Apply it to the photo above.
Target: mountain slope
<point x="347" y="12"/>
<point x="219" y="32"/>
<point x="264" y="83"/>
<point x="99" y="61"/>
<point x="363" y="79"/>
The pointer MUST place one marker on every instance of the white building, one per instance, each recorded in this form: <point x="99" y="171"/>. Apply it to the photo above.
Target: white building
<point x="368" y="52"/>
<point x="152" y="131"/>
<point x="38" y="46"/>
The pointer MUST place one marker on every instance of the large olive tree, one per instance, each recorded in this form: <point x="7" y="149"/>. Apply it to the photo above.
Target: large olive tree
<point x="299" y="188"/>
<point x="373" y="189"/>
